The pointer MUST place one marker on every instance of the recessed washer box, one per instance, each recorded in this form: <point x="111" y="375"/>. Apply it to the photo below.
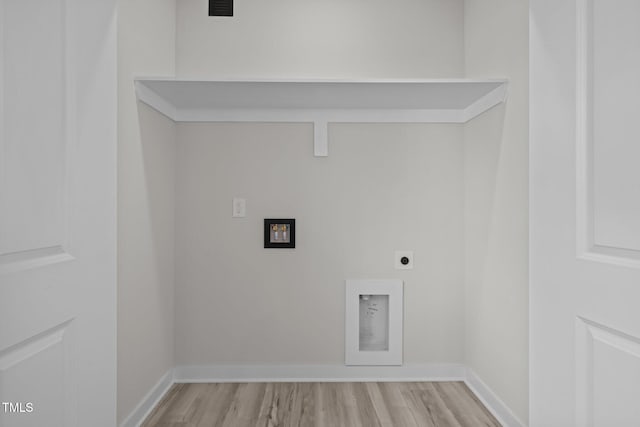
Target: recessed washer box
<point x="373" y="322"/>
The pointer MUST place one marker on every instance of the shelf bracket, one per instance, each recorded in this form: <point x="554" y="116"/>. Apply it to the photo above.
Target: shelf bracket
<point x="320" y="138"/>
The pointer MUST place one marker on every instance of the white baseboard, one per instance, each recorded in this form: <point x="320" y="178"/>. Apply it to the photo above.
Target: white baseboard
<point x="322" y="373"/>
<point x="318" y="373"/>
<point x="494" y="404"/>
<point x="149" y="402"/>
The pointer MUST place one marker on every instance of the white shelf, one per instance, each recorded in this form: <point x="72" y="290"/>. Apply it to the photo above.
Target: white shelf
<point x="322" y="101"/>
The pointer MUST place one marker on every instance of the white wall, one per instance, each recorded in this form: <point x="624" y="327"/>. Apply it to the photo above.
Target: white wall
<point x="322" y="39"/>
<point x="456" y="195"/>
<point x="145" y="204"/>
<point x="496" y="204"/>
<point x="383" y="188"/>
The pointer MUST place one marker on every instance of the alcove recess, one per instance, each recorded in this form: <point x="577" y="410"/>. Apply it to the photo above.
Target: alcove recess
<point x="322" y="101"/>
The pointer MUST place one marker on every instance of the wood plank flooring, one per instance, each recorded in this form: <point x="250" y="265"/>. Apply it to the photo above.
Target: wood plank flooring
<point x="420" y="404"/>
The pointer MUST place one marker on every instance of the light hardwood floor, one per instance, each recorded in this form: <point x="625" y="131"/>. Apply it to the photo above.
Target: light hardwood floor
<point x="424" y="404"/>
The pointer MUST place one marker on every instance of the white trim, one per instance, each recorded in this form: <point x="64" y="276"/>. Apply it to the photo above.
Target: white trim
<point x="150" y="401"/>
<point x="30" y="347"/>
<point x="393" y="288"/>
<point x="584" y="369"/>
<point x="285" y="115"/>
<point x="320" y="138"/>
<point x="586" y="246"/>
<point x="323" y="373"/>
<point x="34" y="258"/>
<point x="382" y="114"/>
<point x="3" y="156"/>
<point x="227" y="79"/>
<point x="587" y="333"/>
<point x="154" y="100"/>
<point x="615" y="256"/>
<point x="375" y="107"/>
<point x="490" y="100"/>
<point x="584" y="167"/>
<point x="318" y="373"/>
<point x="491" y="401"/>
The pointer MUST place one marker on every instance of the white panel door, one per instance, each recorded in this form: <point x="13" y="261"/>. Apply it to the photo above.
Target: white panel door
<point x="57" y="212"/>
<point x="585" y="213"/>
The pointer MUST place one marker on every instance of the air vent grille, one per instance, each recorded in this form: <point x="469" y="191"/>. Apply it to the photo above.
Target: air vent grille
<point x="220" y="7"/>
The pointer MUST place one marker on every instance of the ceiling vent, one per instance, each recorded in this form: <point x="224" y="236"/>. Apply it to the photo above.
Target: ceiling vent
<point x="220" y="7"/>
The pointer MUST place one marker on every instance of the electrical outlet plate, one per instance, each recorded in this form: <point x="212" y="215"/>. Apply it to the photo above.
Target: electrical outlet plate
<point x="239" y="208"/>
<point x="399" y="255"/>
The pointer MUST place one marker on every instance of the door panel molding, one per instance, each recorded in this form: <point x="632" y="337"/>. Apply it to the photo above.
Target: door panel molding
<point x="586" y="246"/>
<point x="45" y="358"/>
<point x="591" y="336"/>
<point x="23" y="350"/>
<point x="47" y="161"/>
<point x="36" y="258"/>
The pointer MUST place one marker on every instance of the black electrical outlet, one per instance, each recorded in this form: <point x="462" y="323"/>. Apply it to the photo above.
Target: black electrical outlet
<point x="220" y="7"/>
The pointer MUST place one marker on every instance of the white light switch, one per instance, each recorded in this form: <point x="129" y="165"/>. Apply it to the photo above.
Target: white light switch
<point x="239" y="208"/>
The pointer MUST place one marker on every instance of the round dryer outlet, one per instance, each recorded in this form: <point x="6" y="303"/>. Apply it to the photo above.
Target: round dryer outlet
<point x="404" y="260"/>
